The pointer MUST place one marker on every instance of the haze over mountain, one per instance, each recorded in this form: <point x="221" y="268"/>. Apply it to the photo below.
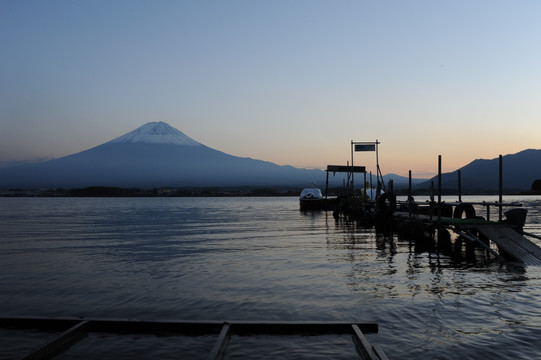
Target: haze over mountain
<point x="154" y="155"/>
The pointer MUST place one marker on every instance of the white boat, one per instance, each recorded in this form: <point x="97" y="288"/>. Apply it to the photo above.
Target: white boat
<point x="311" y="198"/>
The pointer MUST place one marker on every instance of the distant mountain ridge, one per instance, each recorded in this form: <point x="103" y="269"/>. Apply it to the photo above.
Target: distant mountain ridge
<point x="482" y="176"/>
<point x="158" y="155"/>
<point x="154" y="155"/>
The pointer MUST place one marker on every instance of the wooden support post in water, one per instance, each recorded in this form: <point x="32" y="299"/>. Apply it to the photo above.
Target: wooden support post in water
<point x="410" y="197"/>
<point x="364" y="191"/>
<point x="439" y="188"/>
<point x="327" y="185"/>
<point x="409" y="185"/>
<point x="474" y="238"/>
<point x="431" y="212"/>
<point x="501" y="188"/>
<point x="459" y="186"/>
<point x="352" y="183"/>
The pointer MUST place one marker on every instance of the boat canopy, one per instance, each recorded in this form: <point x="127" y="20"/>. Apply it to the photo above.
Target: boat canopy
<point x="311" y="193"/>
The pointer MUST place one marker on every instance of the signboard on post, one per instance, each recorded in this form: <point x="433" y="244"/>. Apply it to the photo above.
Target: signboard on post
<point x="365" y="147"/>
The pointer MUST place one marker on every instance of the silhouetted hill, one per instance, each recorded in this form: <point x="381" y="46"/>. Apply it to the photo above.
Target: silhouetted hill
<point x="402" y="181"/>
<point x="482" y="176"/>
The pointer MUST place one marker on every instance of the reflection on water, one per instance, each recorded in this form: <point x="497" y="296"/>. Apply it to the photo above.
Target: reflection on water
<point x="261" y="258"/>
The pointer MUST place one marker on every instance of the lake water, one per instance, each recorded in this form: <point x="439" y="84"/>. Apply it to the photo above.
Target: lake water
<point x="258" y="259"/>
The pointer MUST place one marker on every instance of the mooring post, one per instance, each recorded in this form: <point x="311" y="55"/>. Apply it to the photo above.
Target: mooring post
<point x="352" y="181"/>
<point x="459" y="186"/>
<point x="431" y="200"/>
<point x="365" y="191"/>
<point x="439" y="188"/>
<point x="409" y="186"/>
<point x="327" y="184"/>
<point x="501" y="188"/>
<point x="410" y="198"/>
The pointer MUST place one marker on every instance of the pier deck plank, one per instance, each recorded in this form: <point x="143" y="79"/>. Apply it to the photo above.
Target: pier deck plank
<point x="442" y="220"/>
<point x="507" y="239"/>
<point x="513" y="243"/>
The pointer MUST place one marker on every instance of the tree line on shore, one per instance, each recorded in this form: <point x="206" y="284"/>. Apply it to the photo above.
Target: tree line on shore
<point x="113" y="191"/>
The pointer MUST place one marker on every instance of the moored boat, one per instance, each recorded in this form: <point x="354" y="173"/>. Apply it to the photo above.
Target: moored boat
<point x="311" y="199"/>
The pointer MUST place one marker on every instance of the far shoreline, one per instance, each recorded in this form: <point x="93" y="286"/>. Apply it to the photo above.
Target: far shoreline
<point x="215" y="191"/>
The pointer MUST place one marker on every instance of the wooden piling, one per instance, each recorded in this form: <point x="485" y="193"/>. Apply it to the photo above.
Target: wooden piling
<point x="500" y="186"/>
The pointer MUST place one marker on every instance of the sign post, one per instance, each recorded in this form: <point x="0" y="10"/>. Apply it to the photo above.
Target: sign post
<point x="366" y="146"/>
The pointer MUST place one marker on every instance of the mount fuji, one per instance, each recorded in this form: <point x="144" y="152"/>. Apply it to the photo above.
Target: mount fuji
<point x="154" y="155"/>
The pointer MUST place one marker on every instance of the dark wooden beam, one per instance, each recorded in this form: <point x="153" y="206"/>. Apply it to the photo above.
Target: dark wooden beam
<point x="363" y="346"/>
<point x="77" y="328"/>
<point x="189" y="327"/>
<point x="221" y="343"/>
<point x="60" y="343"/>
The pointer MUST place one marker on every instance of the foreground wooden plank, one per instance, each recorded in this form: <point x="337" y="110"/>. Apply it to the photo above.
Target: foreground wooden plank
<point x="60" y="343"/>
<point x="379" y="352"/>
<point x="77" y="328"/>
<point x="221" y="343"/>
<point x="364" y="347"/>
<point x="302" y="327"/>
<point x="190" y="327"/>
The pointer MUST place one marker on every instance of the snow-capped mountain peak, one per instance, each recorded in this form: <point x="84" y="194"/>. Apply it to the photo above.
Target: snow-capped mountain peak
<point x="156" y="133"/>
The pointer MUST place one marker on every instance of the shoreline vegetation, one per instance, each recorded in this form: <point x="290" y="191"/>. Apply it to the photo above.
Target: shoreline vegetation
<point x="247" y="191"/>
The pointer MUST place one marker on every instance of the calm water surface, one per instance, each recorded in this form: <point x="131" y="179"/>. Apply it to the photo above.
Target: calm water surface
<point x="253" y="259"/>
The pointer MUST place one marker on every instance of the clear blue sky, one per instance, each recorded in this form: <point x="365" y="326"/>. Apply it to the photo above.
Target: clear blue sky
<point x="292" y="82"/>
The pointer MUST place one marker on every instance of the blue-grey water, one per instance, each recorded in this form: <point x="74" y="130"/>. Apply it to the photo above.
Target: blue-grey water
<point x="257" y="259"/>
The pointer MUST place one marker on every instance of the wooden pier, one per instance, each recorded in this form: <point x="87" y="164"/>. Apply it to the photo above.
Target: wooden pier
<point x="74" y="329"/>
<point x="512" y="245"/>
<point x="460" y="217"/>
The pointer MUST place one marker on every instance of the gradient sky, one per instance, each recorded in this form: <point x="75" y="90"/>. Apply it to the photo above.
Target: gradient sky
<point x="292" y="82"/>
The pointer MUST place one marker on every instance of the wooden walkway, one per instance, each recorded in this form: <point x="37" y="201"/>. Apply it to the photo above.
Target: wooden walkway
<point x="514" y="244"/>
<point x="73" y="329"/>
